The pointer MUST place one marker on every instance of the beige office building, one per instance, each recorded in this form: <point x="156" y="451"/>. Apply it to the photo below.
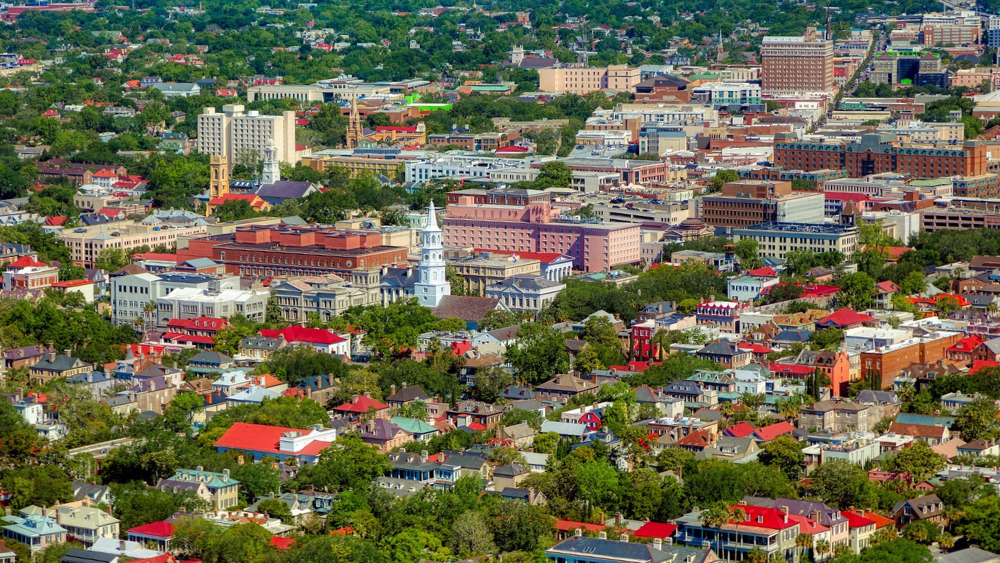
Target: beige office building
<point x="233" y="133"/>
<point x="796" y="65"/>
<point x="584" y="80"/>
<point x="85" y="247"/>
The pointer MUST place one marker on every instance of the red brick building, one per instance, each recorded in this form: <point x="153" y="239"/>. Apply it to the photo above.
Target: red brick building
<point x="295" y="251"/>
<point x="876" y="154"/>
<point x="890" y="361"/>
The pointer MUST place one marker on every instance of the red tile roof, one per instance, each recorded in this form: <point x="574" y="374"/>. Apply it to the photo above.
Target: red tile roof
<point x="297" y="333"/>
<point x="655" y="530"/>
<point x="155" y="530"/>
<point x="361" y="405"/>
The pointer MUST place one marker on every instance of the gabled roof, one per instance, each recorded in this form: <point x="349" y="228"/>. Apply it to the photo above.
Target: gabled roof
<point x="740" y="430"/>
<point x="361" y="405"/>
<point x="843" y="318"/>
<point x="407" y="394"/>
<point x="296" y="333"/>
<point x="772" y="431"/>
<point x="156" y="530"/>
<point x="469" y="309"/>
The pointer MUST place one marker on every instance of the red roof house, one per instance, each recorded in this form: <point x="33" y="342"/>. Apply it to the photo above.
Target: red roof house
<point x="768" y="433"/>
<point x="360" y="404"/>
<point x="320" y="339"/>
<point x="261" y="440"/>
<point x="655" y="530"/>
<point x="843" y="319"/>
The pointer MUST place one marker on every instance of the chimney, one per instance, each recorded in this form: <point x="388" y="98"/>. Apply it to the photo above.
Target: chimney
<point x="657" y="544"/>
<point x="423" y="456"/>
<point x="578" y="533"/>
<point x="602" y="535"/>
<point x="392" y="389"/>
<point x="623" y="538"/>
<point x="618" y="519"/>
<point x="66" y="352"/>
<point x="668" y="541"/>
<point x="121" y="547"/>
<point x="52" y="357"/>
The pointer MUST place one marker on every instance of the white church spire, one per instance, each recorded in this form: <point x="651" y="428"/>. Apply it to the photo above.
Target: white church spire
<point x="433" y="283"/>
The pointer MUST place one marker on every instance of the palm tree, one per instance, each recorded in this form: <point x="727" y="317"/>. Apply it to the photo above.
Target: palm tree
<point x="757" y="555"/>
<point x="803" y="541"/>
<point x="822" y="547"/>
<point x="946" y="541"/>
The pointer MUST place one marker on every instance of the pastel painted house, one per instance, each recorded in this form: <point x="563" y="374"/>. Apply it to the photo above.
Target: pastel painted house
<point x="34" y="530"/>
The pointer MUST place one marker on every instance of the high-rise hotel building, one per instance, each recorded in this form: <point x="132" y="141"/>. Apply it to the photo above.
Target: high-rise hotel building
<point x="796" y="65"/>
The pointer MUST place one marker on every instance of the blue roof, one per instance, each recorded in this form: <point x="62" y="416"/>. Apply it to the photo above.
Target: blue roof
<point x="927" y="420"/>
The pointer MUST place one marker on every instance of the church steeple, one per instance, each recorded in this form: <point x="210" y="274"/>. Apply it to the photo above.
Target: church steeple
<point x="354" y="131"/>
<point x="272" y="169"/>
<point x="433" y="283"/>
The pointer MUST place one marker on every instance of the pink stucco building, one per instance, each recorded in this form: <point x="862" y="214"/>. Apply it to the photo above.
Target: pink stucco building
<point x="524" y="221"/>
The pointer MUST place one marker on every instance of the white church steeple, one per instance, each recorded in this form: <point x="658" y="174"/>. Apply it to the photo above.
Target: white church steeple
<point x="433" y="284"/>
<point x="272" y="169"/>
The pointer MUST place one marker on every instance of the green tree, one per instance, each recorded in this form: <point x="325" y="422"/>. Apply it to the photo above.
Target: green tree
<point x="722" y="177"/>
<point x="748" y="253"/>
<point x="111" y="260"/>
<point x="978" y="419"/>
<point x="842" y="484"/>
<point x="919" y="461"/>
<point x="538" y="354"/>
<point x="783" y="453"/>
<point x="275" y="508"/>
<point x="856" y="291"/>
<point x="348" y="463"/>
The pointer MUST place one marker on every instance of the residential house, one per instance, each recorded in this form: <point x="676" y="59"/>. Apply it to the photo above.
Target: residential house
<point x="563" y="386"/>
<point x="952" y="403"/>
<point x="838" y="416"/>
<point x="476" y="415"/>
<point x="260" y="440"/>
<point x="520" y="434"/>
<point x="384" y="435"/>
<point x="223" y="490"/>
<point x="406" y="395"/>
<point x="55" y="366"/>
<point x="361" y="406"/>
<point x="33" y="530"/>
<point x="763" y="528"/>
<point x="825" y="515"/>
<point x="85" y="524"/>
<point x="932" y="434"/>
<point x="320" y="388"/>
<point x="509" y="476"/>
<point x="927" y="508"/>
<point x="727" y="354"/>
<point x="420" y="430"/>
<point x="731" y="448"/>
<point x="581" y="549"/>
<point x="210" y="362"/>
<point x="863" y="525"/>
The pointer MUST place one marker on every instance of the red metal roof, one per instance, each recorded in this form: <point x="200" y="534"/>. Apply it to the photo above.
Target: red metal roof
<point x="655" y="530"/>
<point x="72" y="283"/>
<point x="261" y="438"/>
<point x="844" y="317"/>
<point x="740" y="430"/>
<point x="859" y="518"/>
<point x="162" y="256"/>
<point x="765" y="271"/>
<point x="201" y="323"/>
<point x="570" y="525"/>
<point x="771" y="432"/>
<point x="282" y="543"/>
<point x="361" y="405"/>
<point x="26" y="262"/>
<point x="790" y="369"/>
<point x="764" y="517"/>
<point x="155" y="530"/>
<point x="967" y="344"/>
<point x="755" y="348"/>
<point x="982" y="364"/>
<point x="302" y="334"/>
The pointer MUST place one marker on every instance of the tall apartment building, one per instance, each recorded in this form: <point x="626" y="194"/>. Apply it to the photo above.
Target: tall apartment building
<point x="131" y="294"/>
<point x="877" y="154"/>
<point x="797" y="64"/>
<point x="584" y="80"/>
<point x="751" y="202"/>
<point x="233" y="133"/>
<point x="524" y="221"/>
